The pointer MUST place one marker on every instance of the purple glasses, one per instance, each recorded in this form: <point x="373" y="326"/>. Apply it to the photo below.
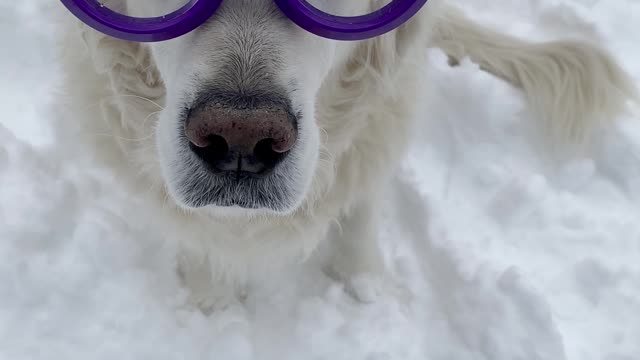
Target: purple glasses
<point x="196" y="12"/>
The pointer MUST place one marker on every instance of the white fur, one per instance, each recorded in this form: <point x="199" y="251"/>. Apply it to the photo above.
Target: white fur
<point x="358" y="104"/>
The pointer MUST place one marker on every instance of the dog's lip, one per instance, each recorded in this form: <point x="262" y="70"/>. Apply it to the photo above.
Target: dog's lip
<point x="232" y="189"/>
<point x="231" y="202"/>
<point x="241" y="175"/>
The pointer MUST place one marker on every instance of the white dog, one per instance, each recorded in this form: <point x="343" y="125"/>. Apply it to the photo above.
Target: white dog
<point x="261" y="139"/>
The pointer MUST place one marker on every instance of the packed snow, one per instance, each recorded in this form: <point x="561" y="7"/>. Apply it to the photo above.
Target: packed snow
<point x="525" y="257"/>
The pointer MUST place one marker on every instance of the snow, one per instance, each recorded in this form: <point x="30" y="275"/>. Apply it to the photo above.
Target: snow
<point x="526" y="257"/>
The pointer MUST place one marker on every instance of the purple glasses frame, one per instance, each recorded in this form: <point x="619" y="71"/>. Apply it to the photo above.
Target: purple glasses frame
<point x="196" y="12"/>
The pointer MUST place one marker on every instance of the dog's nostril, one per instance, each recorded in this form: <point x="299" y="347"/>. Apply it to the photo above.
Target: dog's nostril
<point x="268" y="152"/>
<point x="213" y="149"/>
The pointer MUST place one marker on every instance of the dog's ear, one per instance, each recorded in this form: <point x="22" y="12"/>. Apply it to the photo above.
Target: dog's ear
<point x="107" y="52"/>
<point x="415" y="33"/>
<point x="120" y="58"/>
<point x="385" y="53"/>
<point x="134" y="90"/>
<point x="134" y="79"/>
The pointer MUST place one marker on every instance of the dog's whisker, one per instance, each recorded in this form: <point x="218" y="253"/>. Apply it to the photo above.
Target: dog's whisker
<point x="149" y="116"/>
<point x="137" y="97"/>
<point x="115" y="96"/>
<point x="123" y="138"/>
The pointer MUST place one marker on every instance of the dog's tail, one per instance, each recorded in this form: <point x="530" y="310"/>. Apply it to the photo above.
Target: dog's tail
<point x="572" y="86"/>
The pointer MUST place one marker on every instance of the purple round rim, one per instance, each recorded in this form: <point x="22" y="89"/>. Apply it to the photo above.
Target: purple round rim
<point x="196" y="12"/>
<point x="360" y="27"/>
<point x="177" y="23"/>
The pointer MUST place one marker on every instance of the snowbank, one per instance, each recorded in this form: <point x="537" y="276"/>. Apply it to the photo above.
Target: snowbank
<point x="524" y="259"/>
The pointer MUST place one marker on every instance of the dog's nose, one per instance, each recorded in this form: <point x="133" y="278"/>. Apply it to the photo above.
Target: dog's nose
<point x="241" y="140"/>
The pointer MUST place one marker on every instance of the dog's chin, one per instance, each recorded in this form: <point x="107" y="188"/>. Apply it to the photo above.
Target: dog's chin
<point x="216" y="197"/>
<point x="236" y="211"/>
<point x="240" y="213"/>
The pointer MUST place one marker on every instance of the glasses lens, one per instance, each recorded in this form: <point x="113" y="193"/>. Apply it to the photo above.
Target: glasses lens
<point x="348" y="8"/>
<point x="143" y="8"/>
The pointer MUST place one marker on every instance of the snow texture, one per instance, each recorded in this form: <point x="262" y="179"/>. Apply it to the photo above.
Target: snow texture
<point x="525" y="258"/>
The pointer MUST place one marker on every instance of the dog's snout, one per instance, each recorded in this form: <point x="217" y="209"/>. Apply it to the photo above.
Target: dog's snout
<point x="247" y="140"/>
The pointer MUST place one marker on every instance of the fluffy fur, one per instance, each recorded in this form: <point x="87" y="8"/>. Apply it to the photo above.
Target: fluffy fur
<point x="357" y="103"/>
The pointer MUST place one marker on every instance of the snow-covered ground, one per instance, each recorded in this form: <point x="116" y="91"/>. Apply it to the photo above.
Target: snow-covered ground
<point x="525" y="259"/>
